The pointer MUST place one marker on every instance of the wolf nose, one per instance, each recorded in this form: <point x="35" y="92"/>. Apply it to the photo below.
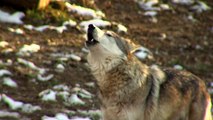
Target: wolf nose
<point x="91" y="27"/>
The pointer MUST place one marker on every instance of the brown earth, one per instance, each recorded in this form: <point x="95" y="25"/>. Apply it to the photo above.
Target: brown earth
<point x="187" y="43"/>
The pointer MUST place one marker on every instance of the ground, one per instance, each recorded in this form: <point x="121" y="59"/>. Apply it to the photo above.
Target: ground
<point x="174" y="40"/>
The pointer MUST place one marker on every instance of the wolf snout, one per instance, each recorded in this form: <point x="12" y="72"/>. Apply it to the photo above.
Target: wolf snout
<point x="91" y="27"/>
<point x="90" y="30"/>
<point x="90" y="35"/>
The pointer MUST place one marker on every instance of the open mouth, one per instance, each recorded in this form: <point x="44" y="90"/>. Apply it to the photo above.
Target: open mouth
<point x="90" y="38"/>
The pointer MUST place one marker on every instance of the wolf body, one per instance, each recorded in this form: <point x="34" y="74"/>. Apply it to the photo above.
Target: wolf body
<point x="131" y="90"/>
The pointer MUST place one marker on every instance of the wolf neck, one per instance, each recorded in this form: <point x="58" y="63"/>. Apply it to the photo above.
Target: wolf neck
<point x="121" y="79"/>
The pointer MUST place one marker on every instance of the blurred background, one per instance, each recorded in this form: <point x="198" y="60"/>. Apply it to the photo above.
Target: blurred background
<point x="43" y="69"/>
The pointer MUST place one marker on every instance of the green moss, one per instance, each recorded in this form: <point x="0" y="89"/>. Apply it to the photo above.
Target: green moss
<point x="48" y="16"/>
<point x="174" y="62"/>
<point x="2" y="66"/>
<point x="35" y="14"/>
<point x="31" y="75"/>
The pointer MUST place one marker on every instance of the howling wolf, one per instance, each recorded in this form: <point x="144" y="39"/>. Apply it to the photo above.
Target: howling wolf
<point x="131" y="90"/>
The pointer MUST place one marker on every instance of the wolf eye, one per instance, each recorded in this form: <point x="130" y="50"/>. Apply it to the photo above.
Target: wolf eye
<point x="108" y="34"/>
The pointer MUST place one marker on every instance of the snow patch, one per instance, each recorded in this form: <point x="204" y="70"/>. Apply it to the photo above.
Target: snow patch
<point x="48" y="118"/>
<point x="3" y="44"/>
<point x="15" y="115"/>
<point x="41" y="71"/>
<point x="28" y="108"/>
<point x="74" y="57"/>
<point x="70" y="22"/>
<point x="68" y="56"/>
<point x="61" y="116"/>
<point x="48" y="95"/>
<point x="63" y="94"/>
<point x="60" y="90"/>
<point x="122" y="28"/>
<point x="16" y="30"/>
<point x="9" y="82"/>
<point x="84" y="11"/>
<point x="80" y="118"/>
<point x="61" y="87"/>
<point x="59" y="29"/>
<point x="41" y="77"/>
<point x="27" y="50"/>
<point x="82" y="92"/>
<point x="95" y="113"/>
<point x="150" y="13"/>
<point x="183" y="2"/>
<point x="31" y="65"/>
<point x="200" y="7"/>
<point x="198" y="47"/>
<point x="90" y="113"/>
<point x="41" y="28"/>
<point x="152" y="7"/>
<point x="75" y="100"/>
<point x="58" y="116"/>
<point x="191" y="18"/>
<point x="15" y="105"/>
<point x="178" y="67"/>
<point x="85" y="94"/>
<point x="149" y="5"/>
<point x="165" y="7"/>
<point x="11" y="18"/>
<point x="29" y="27"/>
<point x="4" y="72"/>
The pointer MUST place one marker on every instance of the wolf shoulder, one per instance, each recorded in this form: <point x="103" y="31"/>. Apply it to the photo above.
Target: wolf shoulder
<point x="181" y="81"/>
<point x="181" y="95"/>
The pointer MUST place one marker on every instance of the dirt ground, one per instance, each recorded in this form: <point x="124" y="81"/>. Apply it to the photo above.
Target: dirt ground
<point x="187" y="43"/>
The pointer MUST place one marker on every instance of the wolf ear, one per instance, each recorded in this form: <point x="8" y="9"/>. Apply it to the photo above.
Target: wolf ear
<point x="126" y="45"/>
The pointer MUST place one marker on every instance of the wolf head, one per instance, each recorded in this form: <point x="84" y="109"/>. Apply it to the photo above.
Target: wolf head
<point x="105" y="46"/>
<point x="106" y="40"/>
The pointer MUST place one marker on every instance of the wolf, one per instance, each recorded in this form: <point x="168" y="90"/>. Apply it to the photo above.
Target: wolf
<point x="128" y="89"/>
